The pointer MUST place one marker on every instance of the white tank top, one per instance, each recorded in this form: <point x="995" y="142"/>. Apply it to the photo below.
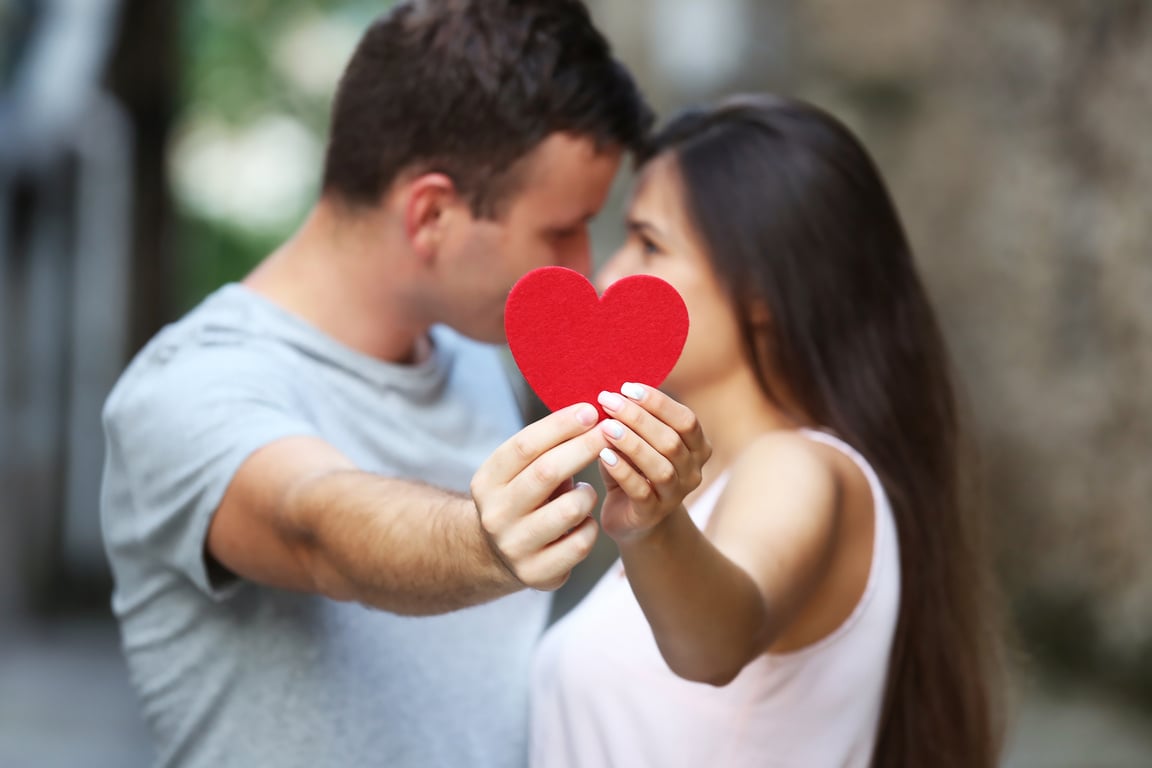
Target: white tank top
<point x="603" y="696"/>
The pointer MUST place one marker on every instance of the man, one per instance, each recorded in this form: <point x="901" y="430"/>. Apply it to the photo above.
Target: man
<point x="284" y="487"/>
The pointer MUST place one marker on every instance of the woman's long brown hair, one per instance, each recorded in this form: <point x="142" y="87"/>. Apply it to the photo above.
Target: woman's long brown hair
<point x="798" y="221"/>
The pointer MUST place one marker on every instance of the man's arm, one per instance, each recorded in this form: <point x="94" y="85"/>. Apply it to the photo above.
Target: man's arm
<point x="299" y="515"/>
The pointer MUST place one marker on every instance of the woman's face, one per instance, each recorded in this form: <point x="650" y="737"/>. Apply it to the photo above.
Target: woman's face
<point x="661" y="241"/>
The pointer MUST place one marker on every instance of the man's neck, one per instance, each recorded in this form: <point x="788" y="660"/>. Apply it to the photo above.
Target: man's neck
<point x="335" y="274"/>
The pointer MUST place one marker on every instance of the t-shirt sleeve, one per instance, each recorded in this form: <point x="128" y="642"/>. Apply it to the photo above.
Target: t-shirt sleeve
<point x="176" y="435"/>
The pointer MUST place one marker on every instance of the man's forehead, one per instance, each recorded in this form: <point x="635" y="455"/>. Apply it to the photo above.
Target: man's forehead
<point x="565" y="180"/>
<point x="566" y="152"/>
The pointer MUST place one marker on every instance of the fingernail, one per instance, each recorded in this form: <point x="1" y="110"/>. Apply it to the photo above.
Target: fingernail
<point x="608" y="456"/>
<point x="634" y="390"/>
<point x="614" y="428"/>
<point x="611" y="401"/>
<point x="586" y="415"/>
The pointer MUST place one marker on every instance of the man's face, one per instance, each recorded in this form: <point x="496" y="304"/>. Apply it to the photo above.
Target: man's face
<point x="564" y="183"/>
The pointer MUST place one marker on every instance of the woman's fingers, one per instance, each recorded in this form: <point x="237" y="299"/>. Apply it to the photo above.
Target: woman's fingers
<point x="624" y="476"/>
<point x="674" y="414"/>
<point x="655" y="469"/>
<point x="669" y="455"/>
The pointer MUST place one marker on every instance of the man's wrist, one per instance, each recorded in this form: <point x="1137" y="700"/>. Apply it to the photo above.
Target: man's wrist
<point x="503" y="571"/>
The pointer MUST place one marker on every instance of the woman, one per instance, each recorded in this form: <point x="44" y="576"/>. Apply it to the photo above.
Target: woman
<point x="821" y="600"/>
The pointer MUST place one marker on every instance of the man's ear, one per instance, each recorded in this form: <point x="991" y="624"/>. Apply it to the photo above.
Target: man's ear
<point x="430" y="197"/>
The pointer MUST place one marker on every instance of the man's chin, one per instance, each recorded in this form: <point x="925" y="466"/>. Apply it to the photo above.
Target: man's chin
<point x="483" y="334"/>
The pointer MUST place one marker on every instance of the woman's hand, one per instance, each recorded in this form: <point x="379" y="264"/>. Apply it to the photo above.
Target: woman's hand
<point x="655" y="454"/>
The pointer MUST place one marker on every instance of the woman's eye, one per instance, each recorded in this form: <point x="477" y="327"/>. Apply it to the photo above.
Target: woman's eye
<point x="648" y="247"/>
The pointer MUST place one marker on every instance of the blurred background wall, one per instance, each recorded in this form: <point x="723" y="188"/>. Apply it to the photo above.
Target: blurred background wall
<point x="151" y="151"/>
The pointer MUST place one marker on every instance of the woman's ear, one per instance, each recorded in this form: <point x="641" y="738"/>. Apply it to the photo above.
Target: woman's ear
<point x="430" y="197"/>
<point x="759" y="316"/>
<point x="760" y="325"/>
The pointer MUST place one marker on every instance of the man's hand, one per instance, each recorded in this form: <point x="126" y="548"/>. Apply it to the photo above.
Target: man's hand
<point x="654" y="456"/>
<point x="537" y="523"/>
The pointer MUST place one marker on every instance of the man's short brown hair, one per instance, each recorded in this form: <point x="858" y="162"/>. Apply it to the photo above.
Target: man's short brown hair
<point x="467" y="88"/>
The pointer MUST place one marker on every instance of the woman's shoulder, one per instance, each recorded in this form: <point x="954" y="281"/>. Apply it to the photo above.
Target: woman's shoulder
<point x="785" y="466"/>
<point x="785" y="451"/>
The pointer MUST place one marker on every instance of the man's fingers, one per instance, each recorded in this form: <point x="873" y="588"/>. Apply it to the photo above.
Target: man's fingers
<point x="538" y="481"/>
<point x="567" y="485"/>
<point x="550" y="568"/>
<point x="527" y="445"/>
<point x="546" y="544"/>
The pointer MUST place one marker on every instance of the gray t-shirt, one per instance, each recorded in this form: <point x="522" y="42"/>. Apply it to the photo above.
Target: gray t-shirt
<point x="231" y="673"/>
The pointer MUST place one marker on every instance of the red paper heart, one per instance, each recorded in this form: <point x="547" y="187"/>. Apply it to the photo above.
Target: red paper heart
<point x="571" y="344"/>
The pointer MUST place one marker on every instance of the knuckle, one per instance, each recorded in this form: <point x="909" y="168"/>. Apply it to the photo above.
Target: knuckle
<point x="522" y="574"/>
<point x="505" y="545"/>
<point x="663" y="474"/>
<point x="582" y="546"/>
<point x="535" y="530"/>
<point x="695" y="477"/>
<point x="579" y="504"/>
<point x="572" y="519"/>
<point x="643" y="492"/>
<point x="593" y="441"/>
<point x="687" y="422"/>
<point x="522" y="448"/>
<point x="545" y="473"/>
<point x="528" y="576"/>
<point x="670" y="446"/>
<point x="479" y="483"/>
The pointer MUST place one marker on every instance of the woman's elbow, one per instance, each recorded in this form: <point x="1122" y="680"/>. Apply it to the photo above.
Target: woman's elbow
<point x="715" y="672"/>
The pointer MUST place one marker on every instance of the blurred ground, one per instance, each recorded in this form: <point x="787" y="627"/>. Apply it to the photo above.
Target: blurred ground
<point x="65" y="700"/>
<point x="65" y="703"/>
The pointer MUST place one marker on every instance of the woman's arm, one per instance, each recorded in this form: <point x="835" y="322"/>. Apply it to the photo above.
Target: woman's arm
<point x="717" y="603"/>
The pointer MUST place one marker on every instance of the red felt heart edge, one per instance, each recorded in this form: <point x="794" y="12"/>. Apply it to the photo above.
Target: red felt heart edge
<point x="640" y="301"/>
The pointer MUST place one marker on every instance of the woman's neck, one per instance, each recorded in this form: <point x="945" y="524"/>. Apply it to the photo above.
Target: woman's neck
<point x="733" y="412"/>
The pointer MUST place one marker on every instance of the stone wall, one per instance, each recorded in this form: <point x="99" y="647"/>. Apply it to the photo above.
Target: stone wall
<point x="1017" y="139"/>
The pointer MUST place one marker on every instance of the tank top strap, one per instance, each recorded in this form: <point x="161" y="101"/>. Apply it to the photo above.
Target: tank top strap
<point x="702" y="507"/>
<point x="827" y="438"/>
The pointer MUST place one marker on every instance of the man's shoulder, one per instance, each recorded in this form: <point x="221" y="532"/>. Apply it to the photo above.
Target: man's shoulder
<point x="218" y="340"/>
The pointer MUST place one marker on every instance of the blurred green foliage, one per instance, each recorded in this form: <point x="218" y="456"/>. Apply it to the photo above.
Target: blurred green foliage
<point x="242" y="62"/>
